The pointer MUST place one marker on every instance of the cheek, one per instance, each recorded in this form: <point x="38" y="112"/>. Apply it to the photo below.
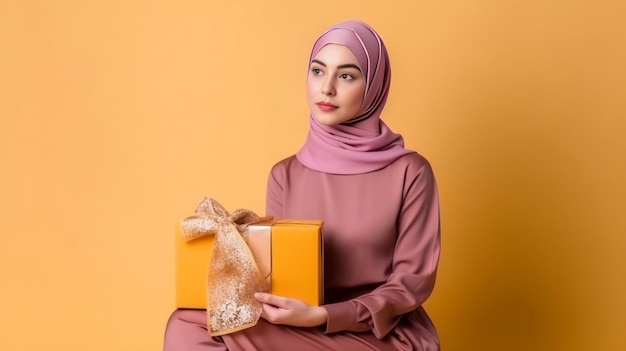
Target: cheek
<point x="311" y="85"/>
<point x="356" y="98"/>
<point x="310" y="95"/>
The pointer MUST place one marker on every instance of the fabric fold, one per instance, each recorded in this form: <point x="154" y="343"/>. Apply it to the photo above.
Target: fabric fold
<point x="233" y="276"/>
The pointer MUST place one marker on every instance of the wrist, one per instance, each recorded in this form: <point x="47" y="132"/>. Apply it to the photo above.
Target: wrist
<point x="320" y="315"/>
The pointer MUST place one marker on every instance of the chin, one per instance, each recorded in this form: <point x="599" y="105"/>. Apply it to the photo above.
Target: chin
<point x="325" y="121"/>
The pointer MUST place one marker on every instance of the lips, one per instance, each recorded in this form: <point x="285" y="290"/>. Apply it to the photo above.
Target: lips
<point x="326" y="106"/>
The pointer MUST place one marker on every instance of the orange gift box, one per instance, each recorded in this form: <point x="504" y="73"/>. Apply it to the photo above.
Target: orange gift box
<point x="288" y="252"/>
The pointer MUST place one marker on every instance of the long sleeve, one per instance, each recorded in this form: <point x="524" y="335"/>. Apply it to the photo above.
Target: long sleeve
<point x="414" y="269"/>
<point x="274" y="196"/>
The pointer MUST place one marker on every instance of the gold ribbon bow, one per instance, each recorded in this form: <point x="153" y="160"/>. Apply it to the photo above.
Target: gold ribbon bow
<point x="233" y="276"/>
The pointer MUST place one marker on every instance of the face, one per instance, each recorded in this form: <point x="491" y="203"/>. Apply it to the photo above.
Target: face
<point x="335" y="85"/>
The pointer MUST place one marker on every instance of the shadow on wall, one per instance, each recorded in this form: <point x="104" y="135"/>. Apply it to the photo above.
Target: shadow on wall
<point x="520" y="233"/>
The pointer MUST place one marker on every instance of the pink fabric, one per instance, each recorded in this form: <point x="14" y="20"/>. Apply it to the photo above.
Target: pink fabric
<point x="186" y="331"/>
<point x="381" y="244"/>
<point x="365" y="143"/>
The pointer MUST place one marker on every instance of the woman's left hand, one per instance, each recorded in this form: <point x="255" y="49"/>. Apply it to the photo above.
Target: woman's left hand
<point x="288" y="311"/>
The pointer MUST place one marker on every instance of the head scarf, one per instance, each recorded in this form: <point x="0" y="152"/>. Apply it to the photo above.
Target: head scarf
<point x="364" y="143"/>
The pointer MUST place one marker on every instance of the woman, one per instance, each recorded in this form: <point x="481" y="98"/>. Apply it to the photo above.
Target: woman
<point x="380" y="209"/>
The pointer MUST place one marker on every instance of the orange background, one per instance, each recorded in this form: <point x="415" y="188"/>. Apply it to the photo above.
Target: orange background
<point x="117" y="117"/>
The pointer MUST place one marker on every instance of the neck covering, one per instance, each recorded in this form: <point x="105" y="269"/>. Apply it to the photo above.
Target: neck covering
<point x="364" y="143"/>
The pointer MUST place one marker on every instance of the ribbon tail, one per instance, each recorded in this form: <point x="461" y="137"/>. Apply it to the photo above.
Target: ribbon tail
<point x="233" y="279"/>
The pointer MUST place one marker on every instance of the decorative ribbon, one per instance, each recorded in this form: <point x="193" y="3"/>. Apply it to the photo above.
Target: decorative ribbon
<point x="233" y="276"/>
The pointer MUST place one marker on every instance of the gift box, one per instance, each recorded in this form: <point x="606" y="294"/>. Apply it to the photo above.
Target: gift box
<point x="288" y="252"/>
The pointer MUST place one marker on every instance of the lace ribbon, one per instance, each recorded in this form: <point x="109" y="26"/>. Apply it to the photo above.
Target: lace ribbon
<point x="233" y="276"/>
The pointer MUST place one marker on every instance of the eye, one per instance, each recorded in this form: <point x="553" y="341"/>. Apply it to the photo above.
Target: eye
<point x="346" y="76"/>
<point x="316" y="71"/>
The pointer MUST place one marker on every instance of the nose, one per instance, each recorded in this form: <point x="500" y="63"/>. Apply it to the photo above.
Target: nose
<point x="328" y="88"/>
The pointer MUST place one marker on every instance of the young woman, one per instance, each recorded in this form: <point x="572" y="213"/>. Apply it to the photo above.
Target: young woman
<point x="380" y="209"/>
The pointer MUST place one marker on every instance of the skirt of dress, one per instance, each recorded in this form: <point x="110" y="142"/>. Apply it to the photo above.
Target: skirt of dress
<point x="187" y="331"/>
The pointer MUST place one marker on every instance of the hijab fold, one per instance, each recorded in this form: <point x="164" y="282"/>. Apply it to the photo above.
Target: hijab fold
<point x="364" y="143"/>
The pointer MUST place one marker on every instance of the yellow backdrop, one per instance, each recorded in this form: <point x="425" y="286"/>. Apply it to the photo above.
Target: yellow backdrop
<point x="117" y="117"/>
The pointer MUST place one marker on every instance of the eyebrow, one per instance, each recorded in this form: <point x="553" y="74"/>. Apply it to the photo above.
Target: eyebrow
<point x="347" y="65"/>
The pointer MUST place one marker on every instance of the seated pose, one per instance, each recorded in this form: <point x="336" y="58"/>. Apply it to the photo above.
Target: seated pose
<point x="380" y="209"/>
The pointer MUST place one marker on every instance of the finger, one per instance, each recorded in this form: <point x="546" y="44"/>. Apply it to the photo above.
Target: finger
<point x="263" y="312"/>
<point x="273" y="300"/>
<point x="270" y="313"/>
<point x="261" y="297"/>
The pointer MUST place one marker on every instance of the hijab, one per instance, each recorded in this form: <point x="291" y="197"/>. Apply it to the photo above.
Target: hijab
<point x="364" y="143"/>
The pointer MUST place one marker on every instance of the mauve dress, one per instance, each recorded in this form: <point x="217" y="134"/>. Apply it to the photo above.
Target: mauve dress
<point x="381" y="251"/>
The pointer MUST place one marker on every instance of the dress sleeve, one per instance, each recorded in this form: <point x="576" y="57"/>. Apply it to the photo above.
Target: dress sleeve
<point x="414" y="264"/>
<point x="274" y="195"/>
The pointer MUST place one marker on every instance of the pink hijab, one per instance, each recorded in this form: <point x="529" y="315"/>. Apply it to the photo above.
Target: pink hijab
<point x="364" y="143"/>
